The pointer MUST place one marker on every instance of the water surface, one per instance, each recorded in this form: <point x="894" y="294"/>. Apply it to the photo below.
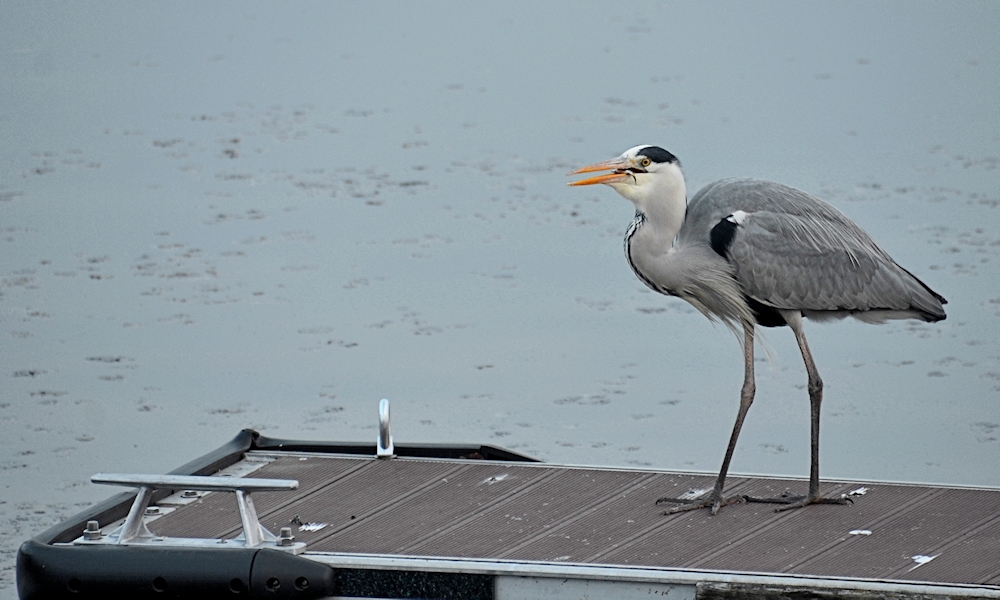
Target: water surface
<point x="272" y="216"/>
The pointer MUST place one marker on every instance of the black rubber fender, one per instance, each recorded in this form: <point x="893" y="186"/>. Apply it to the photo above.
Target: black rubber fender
<point x="109" y="571"/>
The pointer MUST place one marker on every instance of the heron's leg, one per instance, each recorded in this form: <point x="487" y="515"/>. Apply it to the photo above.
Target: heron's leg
<point x="716" y="500"/>
<point x="815" y="385"/>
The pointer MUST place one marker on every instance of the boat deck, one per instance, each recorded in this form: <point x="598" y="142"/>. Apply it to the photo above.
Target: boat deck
<point x="537" y="512"/>
<point x="590" y="526"/>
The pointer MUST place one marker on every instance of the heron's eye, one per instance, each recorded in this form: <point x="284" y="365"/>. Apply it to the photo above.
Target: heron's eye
<point x="645" y="162"/>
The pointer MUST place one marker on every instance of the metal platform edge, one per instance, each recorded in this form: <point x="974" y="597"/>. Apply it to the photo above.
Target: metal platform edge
<point x="496" y="579"/>
<point x="249" y="440"/>
<point x="701" y="583"/>
<point x="44" y="561"/>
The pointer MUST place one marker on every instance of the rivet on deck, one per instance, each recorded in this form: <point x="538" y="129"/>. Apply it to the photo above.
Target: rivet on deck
<point x="93" y="531"/>
<point x="285" y="537"/>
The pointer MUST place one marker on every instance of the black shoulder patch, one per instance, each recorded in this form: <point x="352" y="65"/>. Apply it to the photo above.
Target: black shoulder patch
<point x="722" y="235"/>
<point x="658" y="155"/>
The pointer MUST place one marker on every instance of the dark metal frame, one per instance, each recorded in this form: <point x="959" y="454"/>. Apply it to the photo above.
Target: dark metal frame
<point x="47" y="569"/>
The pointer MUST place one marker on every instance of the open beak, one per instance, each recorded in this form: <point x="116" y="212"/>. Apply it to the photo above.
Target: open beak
<point x="616" y="165"/>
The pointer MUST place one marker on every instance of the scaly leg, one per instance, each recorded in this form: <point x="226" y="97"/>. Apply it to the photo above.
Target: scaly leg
<point x="715" y="499"/>
<point x="794" y="320"/>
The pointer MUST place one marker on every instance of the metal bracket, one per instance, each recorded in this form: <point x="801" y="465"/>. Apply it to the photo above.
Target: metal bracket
<point x="134" y="530"/>
<point x="385" y="447"/>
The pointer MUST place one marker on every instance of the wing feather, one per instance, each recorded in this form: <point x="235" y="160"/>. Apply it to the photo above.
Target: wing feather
<point x="793" y="251"/>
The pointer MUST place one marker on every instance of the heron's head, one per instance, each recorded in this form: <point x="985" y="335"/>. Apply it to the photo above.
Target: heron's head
<point x="644" y="174"/>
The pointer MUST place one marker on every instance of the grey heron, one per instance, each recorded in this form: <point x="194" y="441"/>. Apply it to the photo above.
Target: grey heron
<point x="751" y="253"/>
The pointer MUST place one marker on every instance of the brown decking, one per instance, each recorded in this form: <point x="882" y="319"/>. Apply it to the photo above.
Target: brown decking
<point x="539" y="512"/>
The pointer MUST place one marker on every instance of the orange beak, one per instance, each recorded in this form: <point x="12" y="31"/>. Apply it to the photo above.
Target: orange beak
<point x="617" y="165"/>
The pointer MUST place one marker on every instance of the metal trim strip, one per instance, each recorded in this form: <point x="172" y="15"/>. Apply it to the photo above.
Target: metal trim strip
<point x="640" y="574"/>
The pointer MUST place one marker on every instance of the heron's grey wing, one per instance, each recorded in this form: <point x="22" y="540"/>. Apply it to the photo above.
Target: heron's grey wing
<point x="820" y="262"/>
<point x="719" y="199"/>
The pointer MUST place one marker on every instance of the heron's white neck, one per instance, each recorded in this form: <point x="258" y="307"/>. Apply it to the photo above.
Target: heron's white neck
<point x="661" y="197"/>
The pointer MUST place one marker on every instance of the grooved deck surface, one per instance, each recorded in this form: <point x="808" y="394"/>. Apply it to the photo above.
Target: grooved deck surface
<point x="540" y="512"/>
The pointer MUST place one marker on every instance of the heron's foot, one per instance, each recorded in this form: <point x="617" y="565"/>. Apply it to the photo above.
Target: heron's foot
<point x="713" y="502"/>
<point x="789" y="501"/>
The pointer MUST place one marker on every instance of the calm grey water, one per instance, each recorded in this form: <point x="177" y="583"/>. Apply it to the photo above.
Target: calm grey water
<point x="273" y="215"/>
